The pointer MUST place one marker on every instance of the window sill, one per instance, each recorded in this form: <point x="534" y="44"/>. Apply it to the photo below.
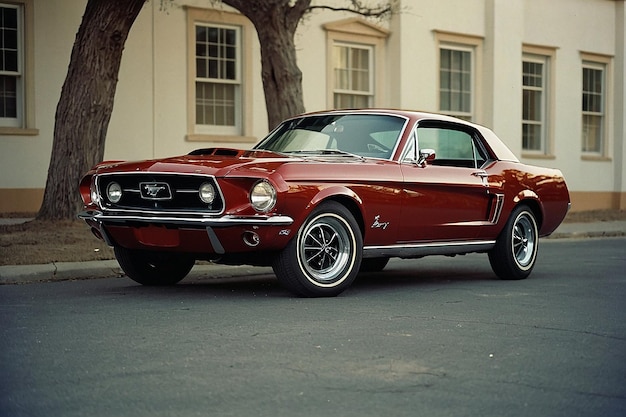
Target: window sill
<point x="18" y="131"/>
<point x="220" y="138"/>
<point x="595" y="158"/>
<point x="537" y="156"/>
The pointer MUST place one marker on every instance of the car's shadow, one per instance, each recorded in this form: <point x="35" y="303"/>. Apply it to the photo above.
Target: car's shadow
<point x="256" y="282"/>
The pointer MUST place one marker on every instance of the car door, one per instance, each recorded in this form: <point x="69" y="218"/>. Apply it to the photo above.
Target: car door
<point x="446" y="197"/>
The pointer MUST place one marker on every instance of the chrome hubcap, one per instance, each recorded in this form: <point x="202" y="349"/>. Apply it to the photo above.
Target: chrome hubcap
<point x="325" y="249"/>
<point x="524" y="240"/>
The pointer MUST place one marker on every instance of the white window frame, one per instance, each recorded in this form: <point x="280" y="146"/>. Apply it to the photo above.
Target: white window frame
<point x="236" y="128"/>
<point x="369" y="93"/>
<point x="359" y="33"/>
<point x="18" y="120"/>
<point x="242" y="133"/>
<point x="543" y="103"/>
<point x="595" y="66"/>
<point x="463" y="113"/>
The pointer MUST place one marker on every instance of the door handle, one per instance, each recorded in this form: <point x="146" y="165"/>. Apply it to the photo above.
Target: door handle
<point x="483" y="177"/>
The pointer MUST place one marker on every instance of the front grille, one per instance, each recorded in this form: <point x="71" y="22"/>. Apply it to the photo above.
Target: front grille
<point x="159" y="192"/>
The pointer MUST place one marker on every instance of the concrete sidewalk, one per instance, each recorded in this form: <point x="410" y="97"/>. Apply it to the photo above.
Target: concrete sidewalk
<point x="61" y="271"/>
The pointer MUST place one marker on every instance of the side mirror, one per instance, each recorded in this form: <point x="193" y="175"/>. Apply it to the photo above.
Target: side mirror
<point x="426" y="155"/>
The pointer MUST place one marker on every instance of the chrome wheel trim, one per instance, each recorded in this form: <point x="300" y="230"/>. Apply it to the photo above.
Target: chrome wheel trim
<point x="524" y="240"/>
<point x="326" y="250"/>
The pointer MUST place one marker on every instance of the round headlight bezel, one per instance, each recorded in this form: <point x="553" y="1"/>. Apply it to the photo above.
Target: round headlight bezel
<point x="207" y="193"/>
<point x="114" y="192"/>
<point x="263" y="196"/>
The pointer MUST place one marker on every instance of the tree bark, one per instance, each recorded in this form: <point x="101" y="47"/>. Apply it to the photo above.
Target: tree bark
<point x="275" y="22"/>
<point x="86" y="102"/>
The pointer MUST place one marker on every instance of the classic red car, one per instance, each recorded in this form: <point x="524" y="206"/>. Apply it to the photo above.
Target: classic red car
<point x="326" y="195"/>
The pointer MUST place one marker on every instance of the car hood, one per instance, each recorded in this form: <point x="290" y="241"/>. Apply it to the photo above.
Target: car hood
<point x="218" y="162"/>
<point x="221" y="162"/>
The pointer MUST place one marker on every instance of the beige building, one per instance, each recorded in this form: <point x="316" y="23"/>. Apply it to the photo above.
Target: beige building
<point x="547" y="76"/>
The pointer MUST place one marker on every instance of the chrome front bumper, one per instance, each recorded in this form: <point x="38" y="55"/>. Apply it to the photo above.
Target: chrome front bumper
<point x="207" y="223"/>
<point x="189" y="221"/>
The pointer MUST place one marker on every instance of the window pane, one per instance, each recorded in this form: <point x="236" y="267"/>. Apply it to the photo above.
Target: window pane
<point x="9" y="39"/>
<point x="351" y="101"/>
<point x="593" y="97"/>
<point x="352" y="73"/>
<point x="218" y="47"/>
<point x="8" y="96"/>
<point x="533" y="105"/>
<point x="452" y="147"/>
<point x="455" y="81"/>
<point x="592" y="134"/>
<point x="531" y="137"/>
<point x="592" y="90"/>
<point x="215" y="104"/>
<point x="218" y="99"/>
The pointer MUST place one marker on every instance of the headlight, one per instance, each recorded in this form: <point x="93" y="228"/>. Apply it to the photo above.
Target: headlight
<point x="263" y="196"/>
<point x="206" y="192"/>
<point x="114" y="192"/>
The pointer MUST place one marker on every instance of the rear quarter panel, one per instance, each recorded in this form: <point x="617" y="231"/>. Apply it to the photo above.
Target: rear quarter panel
<point x="543" y="189"/>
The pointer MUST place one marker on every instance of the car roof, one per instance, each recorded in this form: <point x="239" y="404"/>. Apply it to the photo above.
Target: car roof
<point x="501" y="151"/>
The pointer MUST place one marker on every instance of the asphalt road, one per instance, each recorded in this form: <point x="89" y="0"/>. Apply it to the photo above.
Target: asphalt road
<point x="430" y="337"/>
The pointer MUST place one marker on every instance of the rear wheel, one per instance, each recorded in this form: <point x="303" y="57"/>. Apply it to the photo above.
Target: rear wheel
<point x="324" y="258"/>
<point x="152" y="267"/>
<point x="515" y="252"/>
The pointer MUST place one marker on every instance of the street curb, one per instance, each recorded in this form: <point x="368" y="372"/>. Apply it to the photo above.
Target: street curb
<point x="59" y="271"/>
<point x="587" y="235"/>
<point x="65" y="271"/>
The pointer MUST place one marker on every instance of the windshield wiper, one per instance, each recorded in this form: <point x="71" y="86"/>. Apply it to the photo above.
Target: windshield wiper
<point x="337" y="152"/>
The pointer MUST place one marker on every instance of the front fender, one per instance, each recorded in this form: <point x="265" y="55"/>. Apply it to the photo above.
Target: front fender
<point x="334" y="191"/>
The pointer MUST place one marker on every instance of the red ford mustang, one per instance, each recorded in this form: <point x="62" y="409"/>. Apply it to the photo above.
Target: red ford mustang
<point x="326" y="195"/>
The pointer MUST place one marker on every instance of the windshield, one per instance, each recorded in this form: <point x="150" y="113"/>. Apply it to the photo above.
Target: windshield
<point x="364" y="135"/>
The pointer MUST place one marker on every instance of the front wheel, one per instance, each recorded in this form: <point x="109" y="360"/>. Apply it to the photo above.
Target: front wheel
<point x="515" y="252"/>
<point x="154" y="268"/>
<point x="324" y="258"/>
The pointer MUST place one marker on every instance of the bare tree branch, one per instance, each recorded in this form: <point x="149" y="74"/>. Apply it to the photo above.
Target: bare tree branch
<point x="357" y="7"/>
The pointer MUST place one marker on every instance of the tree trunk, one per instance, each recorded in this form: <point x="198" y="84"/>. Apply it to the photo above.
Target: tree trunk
<point x="275" y="22"/>
<point x="86" y="102"/>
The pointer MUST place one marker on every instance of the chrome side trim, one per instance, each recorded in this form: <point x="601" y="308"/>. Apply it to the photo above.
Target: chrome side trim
<point x="417" y="250"/>
<point x="223" y="221"/>
<point x="498" y="208"/>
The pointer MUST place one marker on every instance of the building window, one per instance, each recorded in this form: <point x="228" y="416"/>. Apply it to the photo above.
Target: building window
<point x="11" y="66"/>
<point x="220" y="76"/>
<point x="455" y="81"/>
<point x="593" y="111"/>
<point x="534" y="80"/>
<point x="355" y="51"/>
<point x="353" y="70"/>
<point x="218" y="80"/>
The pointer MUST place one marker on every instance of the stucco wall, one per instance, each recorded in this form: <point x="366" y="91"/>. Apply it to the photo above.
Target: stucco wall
<point x="150" y="114"/>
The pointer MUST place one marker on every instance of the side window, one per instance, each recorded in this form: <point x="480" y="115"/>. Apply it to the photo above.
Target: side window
<point x="453" y="147"/>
